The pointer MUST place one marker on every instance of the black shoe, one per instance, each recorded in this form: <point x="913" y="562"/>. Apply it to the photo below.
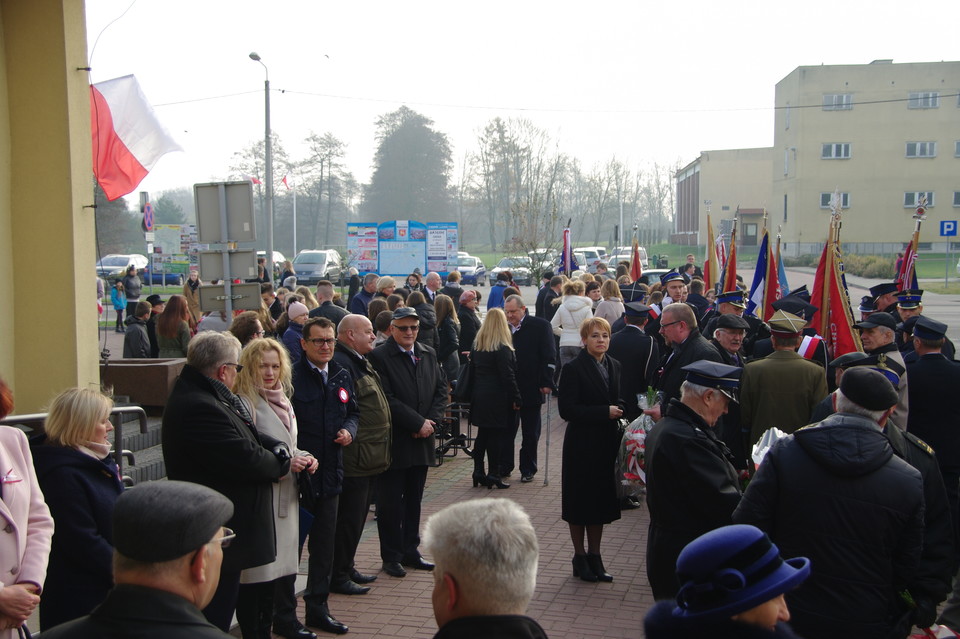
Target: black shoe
<point x="358" y="578"/>
<point x="349" y="588"/>
<point x="628" y="504"/>
<point x="526" y="479"/>
<point x="324" y="621"/>
<point x="497" y="482"/>
<point x="581" y="568"/>
<point x="296" y="631"/>
<point x="480" y="479"/>
<point x="596" y="565"/>
<point x="394" y="569"/>
<point x="417" y="563"/>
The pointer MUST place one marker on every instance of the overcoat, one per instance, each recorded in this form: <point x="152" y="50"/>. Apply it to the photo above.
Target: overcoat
<point x="638" y="355"/>
<point x="495" y="389"/>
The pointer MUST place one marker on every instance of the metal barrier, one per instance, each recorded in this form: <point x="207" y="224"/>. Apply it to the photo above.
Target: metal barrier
<point x="447" y="443"/>
<point x="34" y="421"/>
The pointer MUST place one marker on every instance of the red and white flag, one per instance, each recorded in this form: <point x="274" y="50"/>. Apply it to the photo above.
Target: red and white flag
<point x="128" y="138"/>
<point x="252" y="178"/>
<point x="808" y="346"/>
<point x="287" y="183"/>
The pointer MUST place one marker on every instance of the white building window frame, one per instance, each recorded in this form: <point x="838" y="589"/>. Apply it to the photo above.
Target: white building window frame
<point x="910" y="199"/>
<point x="837" y="101"/>
<point x="826" y="196"/>
<point x="923" y="100"/>
<point x="835" y="151"/>
<point x="921" y="149"/>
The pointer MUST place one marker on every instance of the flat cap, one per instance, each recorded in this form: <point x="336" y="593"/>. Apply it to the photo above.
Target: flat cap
<point x="154" y="299"/>
<point x="636" y="309"/>
<point x="868" y="388"/>
<point x="928" y="328"/>
<point x="877" y="319"/>
<point x="160" y="521"/>
<point x="403" y="312"/>
<point x="732" y="297"/>
<point x="883" y="289"/>
<point x="725" y="379"/>
<point x="732" y="321"/>
<point x="785" y="323"/>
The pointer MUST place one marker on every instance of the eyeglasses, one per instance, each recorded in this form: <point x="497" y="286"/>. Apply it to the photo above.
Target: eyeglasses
<point x="662" y="326"/>
<point x="407" y="329"/>
<point x="239" y="367"/>
<point x="322" y="341"/>
<point x="228" y="536"/>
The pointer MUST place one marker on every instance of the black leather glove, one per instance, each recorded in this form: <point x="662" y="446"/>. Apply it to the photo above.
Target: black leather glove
<point x="925" y="614"/>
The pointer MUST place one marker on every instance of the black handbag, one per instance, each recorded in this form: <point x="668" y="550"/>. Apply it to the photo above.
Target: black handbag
<point x="463" y="389"/>
<point x="308" y="494"/>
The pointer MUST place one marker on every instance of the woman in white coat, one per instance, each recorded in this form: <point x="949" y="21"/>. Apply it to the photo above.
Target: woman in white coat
<point x="574" y="310"/>
<point x="26" y="527"/>
<point x="263" y="383"/>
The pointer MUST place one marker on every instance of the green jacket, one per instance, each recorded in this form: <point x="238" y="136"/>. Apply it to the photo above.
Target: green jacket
<point x="369" y="454"/>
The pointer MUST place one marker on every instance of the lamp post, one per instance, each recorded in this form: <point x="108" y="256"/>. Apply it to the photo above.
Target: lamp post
<point x="268" y="159"/>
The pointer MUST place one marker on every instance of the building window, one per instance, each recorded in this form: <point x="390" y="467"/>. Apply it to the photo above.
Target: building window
<point x="826" y="198"/>
<point x="924" y="100"/>
<point x="837" y="101"/>
<point x="956" y="149"/>
<point x="912" y="198"/>
<point x="956" y="198"/>
<point x="835" y="151"/>
<point x="921" y="149"/>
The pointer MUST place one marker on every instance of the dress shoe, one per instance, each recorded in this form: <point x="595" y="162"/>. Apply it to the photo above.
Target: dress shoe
<point x="294" y="632"/>
<point x="581" y="568"/>
<point x="496" y="482"/>
<point x="358" y="578"/>
<point x="417" y="563"/>
<point x="394" y="569"/>
<point x="526" y="479"/>
<point x="349" y="588"/>
<point x="324" y="621"/>
<point x="596" y="565"/>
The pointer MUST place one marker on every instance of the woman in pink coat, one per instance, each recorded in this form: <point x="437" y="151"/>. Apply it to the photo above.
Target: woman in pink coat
<point x="26" y="527"/>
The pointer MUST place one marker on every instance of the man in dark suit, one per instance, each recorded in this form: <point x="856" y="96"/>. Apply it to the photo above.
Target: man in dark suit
<point x="547" y="293"/>
<point x="417" y="393"/>
<point x="728" y="340"/>
<point x="732" y="302"/>
<point x="327" y="308"/>
<point x="638" y="355"/>
<point x="208" y="438"/>
<point x="536" y="359"/>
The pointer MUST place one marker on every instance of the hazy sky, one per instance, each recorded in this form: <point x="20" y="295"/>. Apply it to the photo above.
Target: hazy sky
<point x="640" y="80"/>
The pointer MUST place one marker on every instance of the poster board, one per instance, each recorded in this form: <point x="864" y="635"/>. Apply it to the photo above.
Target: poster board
<point x="399" y="247"/>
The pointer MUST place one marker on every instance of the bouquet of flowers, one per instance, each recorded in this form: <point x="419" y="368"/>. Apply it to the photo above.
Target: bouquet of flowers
<point x="631" y="467"/>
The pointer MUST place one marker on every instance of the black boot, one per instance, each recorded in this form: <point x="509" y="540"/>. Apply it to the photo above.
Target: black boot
<point x="596" y="565"/>
<point x="581" y="568"/>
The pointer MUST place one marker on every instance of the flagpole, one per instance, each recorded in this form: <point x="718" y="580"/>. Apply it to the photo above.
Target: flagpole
<point x="294" y="218"/>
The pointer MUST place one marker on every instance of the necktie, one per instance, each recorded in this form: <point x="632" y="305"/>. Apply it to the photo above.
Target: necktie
<point x="413" y="358"/>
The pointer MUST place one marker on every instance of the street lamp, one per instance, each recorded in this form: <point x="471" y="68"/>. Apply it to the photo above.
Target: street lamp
<point x="268" y="152"/>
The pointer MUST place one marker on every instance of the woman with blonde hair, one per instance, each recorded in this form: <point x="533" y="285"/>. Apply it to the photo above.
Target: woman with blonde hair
<point x="611" y="308"/>
<point x="574" y="310"/>
<point x="307" y="297"/>
<point x="495" y="396"/>
<point x="386" y="285"/>
<point x="81" y="483"/>
<point x="267" y="592"/>
<point x="173" y="328"/>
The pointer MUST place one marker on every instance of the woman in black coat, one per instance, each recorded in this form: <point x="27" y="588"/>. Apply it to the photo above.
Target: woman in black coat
<point x="448" y="337"/>
<point x="428" y="319"/>
<point x="495" y="396"/>
<point x="469" y="323"/>
<point x="589" y="401"/>
<point x="81" y="483"/>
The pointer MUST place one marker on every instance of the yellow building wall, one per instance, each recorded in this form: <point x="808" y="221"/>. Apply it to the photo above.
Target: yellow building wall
<point x="732" y="178"/>
<point x="49" y="326"/>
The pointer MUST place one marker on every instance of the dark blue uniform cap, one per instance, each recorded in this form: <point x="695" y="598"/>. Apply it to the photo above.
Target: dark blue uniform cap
<point x="670" y="277"/>
<point x="725" y="379"/>
<point x="636" y="309"/>
<point x="732" y="297"/>
<point x="909" y="298"/>
<point x="883" y="289"/>
<point x="927" y="328"/>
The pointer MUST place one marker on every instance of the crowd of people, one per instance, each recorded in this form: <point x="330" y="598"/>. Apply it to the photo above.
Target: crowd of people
<point x="287" y="422"/>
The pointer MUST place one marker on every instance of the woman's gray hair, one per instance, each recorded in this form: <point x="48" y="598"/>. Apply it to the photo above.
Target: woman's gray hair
<point x="210" y="350"/>
<point x="490" y="547"/>
<point x="847" y="405"/>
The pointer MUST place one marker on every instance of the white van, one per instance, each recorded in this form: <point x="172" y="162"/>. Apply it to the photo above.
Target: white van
<point x="625" y="254"/>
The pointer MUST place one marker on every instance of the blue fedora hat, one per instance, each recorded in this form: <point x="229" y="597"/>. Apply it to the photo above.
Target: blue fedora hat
<point x="731" y="570"/>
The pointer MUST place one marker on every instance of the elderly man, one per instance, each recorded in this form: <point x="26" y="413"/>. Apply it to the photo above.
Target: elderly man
<point x="168" y="539"/>
<point x="359" y="302"/>
<point x="692" y="486"/>
<point x="536" y="360"/>
<point x="327" y="308"/>
<point x="783" y="388"/>
<point x="877" y="334"/>
<point x="678" y="326"/>
<point x="486" y="552"/>
<point x="209" y="438"/>
<point x="327" y="417"/>
<point x="431" y="286"/>
<point x="417" y="393"/>
<point x="836" y="492"/>
<point x="728" y="340"/>
<point x="365" y="459"/>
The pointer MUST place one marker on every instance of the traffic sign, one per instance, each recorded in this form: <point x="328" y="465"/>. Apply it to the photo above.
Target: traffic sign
<point x="948" y="228"/>
<point x="148" y="216"/>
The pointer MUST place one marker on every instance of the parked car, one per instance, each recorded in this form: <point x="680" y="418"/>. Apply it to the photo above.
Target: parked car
<point x="652" y="276"/>
<point x="313" y="266"/>
<point x="113" y="267"/>
<point x="591" y="257"/>
<point x="471" y="270"/>
<point x="519" y="265"/>
<point x="544" y="259"/>
<point x="164" y="278"/>
<point x="625" y="254"/>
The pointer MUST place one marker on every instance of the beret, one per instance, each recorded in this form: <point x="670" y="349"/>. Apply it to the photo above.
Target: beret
<point x="868" y="388"/>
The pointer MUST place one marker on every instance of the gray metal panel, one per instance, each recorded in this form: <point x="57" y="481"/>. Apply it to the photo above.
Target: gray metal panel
<point x="246" y="297"/>
<point x="239" y="201"/>
<point x="243" y="264"/>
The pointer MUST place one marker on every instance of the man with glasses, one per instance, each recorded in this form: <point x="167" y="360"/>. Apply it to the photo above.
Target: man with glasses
<point x="416" y="390"/>
<point x="209" y="438"/>
<point x="169" y="540"/>
<point x="327" y="418"/>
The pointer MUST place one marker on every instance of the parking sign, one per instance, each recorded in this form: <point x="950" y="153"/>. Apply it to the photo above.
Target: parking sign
<point x="948" y="228"/>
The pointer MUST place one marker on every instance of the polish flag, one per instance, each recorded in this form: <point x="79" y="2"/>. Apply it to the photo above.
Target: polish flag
<point x="808" y="346"/>
<point x="128" y="138"/>
<point x="286" y="183"/>
<point x="252" y="178"/>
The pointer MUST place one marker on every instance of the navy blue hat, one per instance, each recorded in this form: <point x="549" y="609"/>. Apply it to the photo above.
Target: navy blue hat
<point x="910" y="298"/>
<point x="405" y="311"/>
<point x="878" y="319"/>
<point x="731" y="570"/>
<point x="636" y="309"/>
<point x="847" y="360"/>
<point x="907" y="325"/>
<point x="633" y="292"/>
<point x="797" y="305"/>
<point x="927" y="328"/>
<point x="725" y="379"/>
<point x="801" y="292"/>
<point x="734" y="297"/>
<point x="732" y="321"/>
<point x="868" y="388"/>
<point x="867" y="304"/>
<point x="883" y="289"/>
<point x="670" y="277"/>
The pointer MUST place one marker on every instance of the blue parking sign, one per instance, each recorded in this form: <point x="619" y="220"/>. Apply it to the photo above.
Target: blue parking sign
<point x="948" y="228"/>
